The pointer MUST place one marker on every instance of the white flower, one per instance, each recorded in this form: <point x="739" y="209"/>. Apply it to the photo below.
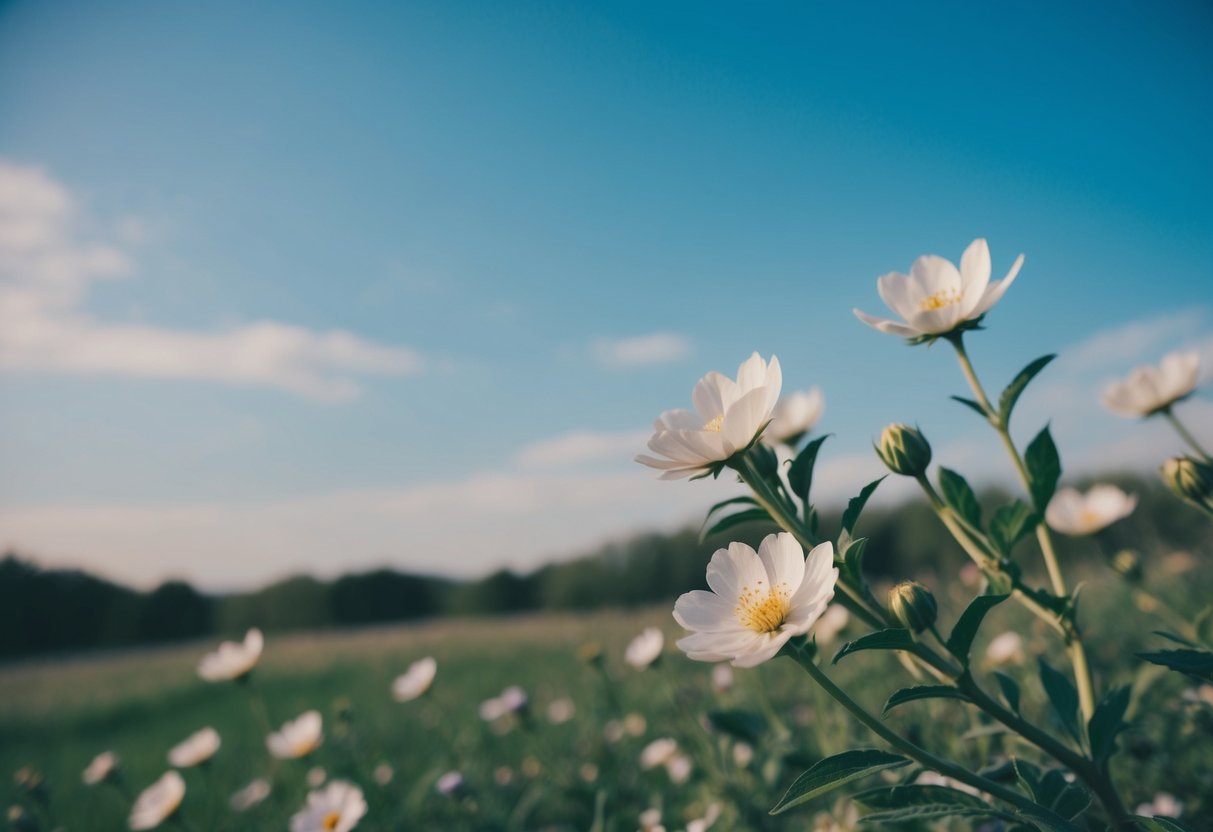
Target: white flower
<point x="416" y="680"/>
<point x="1163" y="804"/>
<point x="650" y="821"/>
<point x="103" y="767"/>
<point x="832" y="622"/>
<point x="658" y="753"/>
<point x="1149" y="389"/>
<point x="252" y="794"/>
<point x="645" y="648"/>
<point x="383" y="774"/>
<point x="336" y="808"/>
<point x="679" y="769"/>
<point x="743" y="754"/>
<point x="561" y="710"/>
<point x="195" y="749"/>
<point x="722" y="678"/>
<point x="511" y="700"/>
<point x="1074" y="513"/>
<point x="298" y="737"/>
<point x="635" y="724"/>
<point x="232" y="660"/>
<point x="449" y="783"/>
<point x="157" y="802"/>
<point x="794" y="415"/>
<point x="729" y="414"/>
<point x="1005" y="648"/>
<point x="759" y="600"/>
<point x="936" y="297"/>
<point x="316" y="777"/>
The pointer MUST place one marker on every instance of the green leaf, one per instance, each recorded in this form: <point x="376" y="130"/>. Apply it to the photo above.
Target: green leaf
<point x="852" y="559"/>
<point x="743" y="725"/>
<point x="922" y="692"/>
<point x="1047" y="821"/>
<point x="896" y="638"/>
<point x="1195" y="663"/>
<point x="832" y="772"/>
<point x="1006" y="402"/>
<point x="750" y="515"/>
<point x="1161" y="824"/>
<point x="1062" y="697"/>
<point x="1058" y="795"/>
<point x="961" y="640"/>
<point x="1010" y="523"/>
<point x="981" y="411"/>
<point x="729" y="502"/>
<point x="800" y="475"/>
<point x="1044" y="468"/>
<point x="1010" y="690"/>
<point x="1107" y="722"/>
<point x="1175" y="638"/>
<point x="851" y="516"/>
<point x="958" y="495"/>
<point x="901" y="804"/>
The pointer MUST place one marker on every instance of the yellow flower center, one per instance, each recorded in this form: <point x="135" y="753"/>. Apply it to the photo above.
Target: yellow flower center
<point x="331" y="820"/>
<point x="714" y="425"/>
<point x="763" y="610"/>
<point x="1089" y="519"/>
<point x="942" y="298"/>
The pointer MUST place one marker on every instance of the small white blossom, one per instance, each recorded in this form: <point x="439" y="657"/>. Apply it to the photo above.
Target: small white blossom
<point x="794" y="415"/>
<point x="1005" y="648"/>
<point x="706" y="822"/>
<point x="1163" y="804"/>
<point x="298" y="737"/>
<point x="679" y="769"/>
<point x="449" y="783"/>
<point x="645" y="648"/>
<point x="729" y="415"/>
<point x="316" y="777"/>
<point x="336" y="808"/>
<point x="722" y="678"/>
<point x="759" y="600"/>
<point x="561" y="710"/>
<point x="232" y="660"/>
<point x="195" y="749"/>
<point x="1149" y="389"/>
<point x="658" y="753"/>
<point x="157" y="802"/>
<point x="104" y="766"/>
<point x="1074" y="513"/>
<point x="416" y="680"/>
<point x="251" y="795"/>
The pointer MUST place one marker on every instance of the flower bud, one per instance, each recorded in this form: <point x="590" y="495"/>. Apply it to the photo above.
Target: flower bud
<point x="1127" y="563"/>
<point x="905" y="450"/>
<point x="1190" y="479"/>
<point x="913" y="605"/>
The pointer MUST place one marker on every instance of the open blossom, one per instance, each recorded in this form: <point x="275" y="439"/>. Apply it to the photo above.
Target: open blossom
<point x="936" y="297"/>
<point x="1149" y="389"/>
<point x="449" y="783"/>
<point x="728" y="416"/>
<point x="157" y="802"/>
<point x="1074" y="513"/>
<point x="1164" y="804"/>
<point x="298" y="737"/>
<point x="794" y="415"/>
<point x="645" y="648"/>
<point x="759" y="600"/>
<point x="416" y="680"/>
<point x="232" y="660"/>
<point x="252" y="794"/>
<point x="104" y="766"/>
<point x="336" y="808"/>
<point x="195" y="749"/>
<point x="1005" y="648"/>
<point x="658" y="753"/>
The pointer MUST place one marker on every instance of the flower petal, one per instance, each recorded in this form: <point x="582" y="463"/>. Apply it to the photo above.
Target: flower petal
<point x="705" y="611"/>
<point x="997" y="289"/>
<point x="733" y="569"/>
<point x="783" y="559"/>
<point x="974" y="274"/>
<point x="712" y="396"/>
<point x="885" y="325"/>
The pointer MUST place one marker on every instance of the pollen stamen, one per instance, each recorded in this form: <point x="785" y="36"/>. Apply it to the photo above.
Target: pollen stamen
<point x="763" y="611"/>
<point x="942" y="298"/>
<point x="714" y="425"/>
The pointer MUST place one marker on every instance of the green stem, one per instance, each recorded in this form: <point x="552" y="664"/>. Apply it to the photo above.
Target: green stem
<point x="914" y="752"/>
<point x="1078" y="655"/>
<point x="1184" y="433"/>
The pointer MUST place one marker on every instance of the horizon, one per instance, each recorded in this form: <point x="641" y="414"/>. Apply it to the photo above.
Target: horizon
<point x="290" y="290"/>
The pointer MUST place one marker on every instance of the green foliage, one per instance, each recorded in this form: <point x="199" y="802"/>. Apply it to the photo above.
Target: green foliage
<point x="895" y="638"/>
<point x="1010" y="690"/>
<point x="959" y="496"/>
<point x="1009" y="524"/>
<point x="1107" y="722"/>
<point x="1196" y="663"/>
<point x="800" y="475"/>
<point x="836" y="771"/>
<point x="1044" y="468"/>
<point x="905" y="804"/>
<point x="961" y="639"/>
<point x="747" y="726"/>
<point x="1063" y="697"/>
<point x="922" y="692"/>
<point x="855" y="505"/>
<point x="1006" y="402"/>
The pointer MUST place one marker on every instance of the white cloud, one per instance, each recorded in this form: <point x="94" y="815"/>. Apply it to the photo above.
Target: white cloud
<point x="580" y="446"/>
<point x="46" y="272"/>
<point x="1136" y="341"/>
<point x="641" y="350"/>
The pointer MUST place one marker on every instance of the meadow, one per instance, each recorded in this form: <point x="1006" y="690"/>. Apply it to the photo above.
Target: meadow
<point x="545" y="767"/>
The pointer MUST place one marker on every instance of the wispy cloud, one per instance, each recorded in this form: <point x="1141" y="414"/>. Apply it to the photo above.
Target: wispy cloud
<point x="581" y="446"/>
<point x="641" y="350"/>
<point x="47" y="270"/>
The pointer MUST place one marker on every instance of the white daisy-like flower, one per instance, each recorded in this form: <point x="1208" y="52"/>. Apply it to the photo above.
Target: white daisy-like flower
<point x="104" y="766"/>
<point x="794" y="415"/>
<point x="336" y="808"/>
<point x="416" y="680"/>
<point x="758" y="600"/>
<point x="658" y="753"/>
<point x="722" y="678"/>
<point x="195" y="749"/>
<point x="232" y="660"/>
<point x="729" y="415"/>
<point x="1005" y="648"/>
<point x="936" y="297"/>
<point x="561" y="710"/>
<point x="679" y="769"/>
<point x="449" y="783"/>
<point x="1074" y="513"/>
<point x="511" y="700"/>
<point x="1163" y="804"/>
<point x="1149" y="389"/>
<point x="157" y="802"/>
<point x="298" y="737"/>
<point x="645" y="648"/>
<point x="249" y="796"/>
<point x="743" y="754"/>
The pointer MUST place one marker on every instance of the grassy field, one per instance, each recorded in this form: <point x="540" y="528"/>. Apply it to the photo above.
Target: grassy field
<point x="527" y="773"/>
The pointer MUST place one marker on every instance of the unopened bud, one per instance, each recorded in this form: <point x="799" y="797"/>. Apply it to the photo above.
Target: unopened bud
<point x="1189" y="478"/>
<point x="913" y="605"/>
<point x="905" y="450"/>
<point x="1128" y="564"/>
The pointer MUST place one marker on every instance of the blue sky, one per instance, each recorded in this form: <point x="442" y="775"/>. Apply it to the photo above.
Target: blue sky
<point x="394" y="253"/>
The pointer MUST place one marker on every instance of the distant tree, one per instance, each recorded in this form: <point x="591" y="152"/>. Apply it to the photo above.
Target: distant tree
<point x="385" y="595"/>
<point x="175" y="610"/>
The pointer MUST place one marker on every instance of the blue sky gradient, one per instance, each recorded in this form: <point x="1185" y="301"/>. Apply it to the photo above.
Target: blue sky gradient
<point x="505" y="190"/>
